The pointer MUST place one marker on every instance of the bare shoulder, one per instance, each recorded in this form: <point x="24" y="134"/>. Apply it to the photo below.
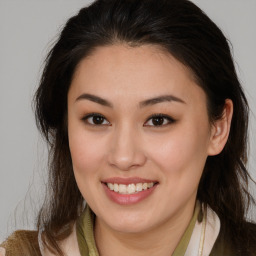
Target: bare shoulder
<point x="21" y="243"/>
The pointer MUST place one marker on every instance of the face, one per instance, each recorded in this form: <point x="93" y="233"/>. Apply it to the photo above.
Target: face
<point x="139" y="136"/>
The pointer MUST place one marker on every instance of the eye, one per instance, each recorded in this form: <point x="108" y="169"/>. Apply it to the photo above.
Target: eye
<point x="159" y="120"/>
<point x="95" y="119"/>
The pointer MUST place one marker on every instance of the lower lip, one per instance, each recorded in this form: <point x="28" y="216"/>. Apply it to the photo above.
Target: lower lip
<point x="128" y="199"/>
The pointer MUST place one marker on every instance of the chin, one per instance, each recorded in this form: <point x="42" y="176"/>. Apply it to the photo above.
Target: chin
<point x="129" y="224"/>
<point x="130" y="228"/>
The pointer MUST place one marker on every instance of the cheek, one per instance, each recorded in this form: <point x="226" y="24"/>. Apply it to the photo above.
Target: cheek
<point x="86" y="153"/>
<point x="182" y="153"/>
<point x="181" y="161"/>
<point x="86" y="150"/>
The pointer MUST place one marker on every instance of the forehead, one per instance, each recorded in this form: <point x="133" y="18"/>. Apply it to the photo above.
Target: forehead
<point x="143" y="71"/>
<point x="120" y="55"/>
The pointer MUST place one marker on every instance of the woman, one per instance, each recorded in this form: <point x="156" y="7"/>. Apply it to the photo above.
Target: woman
<point x="147" y="123"/>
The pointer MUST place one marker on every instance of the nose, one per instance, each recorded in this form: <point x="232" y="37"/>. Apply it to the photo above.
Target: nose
<point x="126" y="149"/>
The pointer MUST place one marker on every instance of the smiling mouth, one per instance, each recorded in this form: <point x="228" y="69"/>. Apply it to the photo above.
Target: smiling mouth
<point x="129" y="189"/>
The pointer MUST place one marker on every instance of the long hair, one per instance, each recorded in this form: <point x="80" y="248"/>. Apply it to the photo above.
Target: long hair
<point x="183" y="30"/>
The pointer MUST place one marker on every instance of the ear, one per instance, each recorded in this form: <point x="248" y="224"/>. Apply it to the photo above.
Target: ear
<point x="220" y="130"/>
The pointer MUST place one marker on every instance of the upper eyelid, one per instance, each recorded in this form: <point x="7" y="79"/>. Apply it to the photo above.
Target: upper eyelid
<point x="161" y="115"/>
<point x="93" y="114"/>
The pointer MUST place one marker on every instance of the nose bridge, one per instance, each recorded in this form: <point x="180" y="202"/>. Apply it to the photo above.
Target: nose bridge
<point x="126" y="150"/>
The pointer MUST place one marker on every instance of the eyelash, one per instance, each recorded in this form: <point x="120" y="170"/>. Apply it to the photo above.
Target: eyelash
<point x="92" y="115"/>
<point x="166" y="118"/>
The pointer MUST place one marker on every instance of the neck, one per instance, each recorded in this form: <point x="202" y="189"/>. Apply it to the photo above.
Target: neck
<point x="161" y="240"/>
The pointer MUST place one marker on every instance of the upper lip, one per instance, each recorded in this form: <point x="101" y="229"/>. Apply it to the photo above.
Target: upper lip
<point x="126" y="181"/>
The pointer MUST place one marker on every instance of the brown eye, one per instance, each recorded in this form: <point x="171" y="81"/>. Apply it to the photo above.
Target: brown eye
<point x="159" y="120"/>
<point x="95" y="119"/>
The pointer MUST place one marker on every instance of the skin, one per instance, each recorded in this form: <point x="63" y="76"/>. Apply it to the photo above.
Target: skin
<point x="127" y="144"/>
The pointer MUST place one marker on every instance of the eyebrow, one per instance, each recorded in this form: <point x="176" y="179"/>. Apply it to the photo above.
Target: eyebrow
<point x="148" y="102"/>
<point x="160" y="99"/>
<point x="94" y="98"/>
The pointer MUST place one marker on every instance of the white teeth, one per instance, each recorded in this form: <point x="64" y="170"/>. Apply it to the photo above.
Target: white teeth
<point x="116" y="187"/>
<point x="130" y="188"/>
<point x="111" y="186"/>
<point x="122" y="189"/>
<point x="139" y="187"/>
<point x="150" y="185"/>
<point x="145" y="186"/>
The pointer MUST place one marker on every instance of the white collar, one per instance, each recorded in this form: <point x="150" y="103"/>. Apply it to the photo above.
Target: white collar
<point x="204" y="234"/>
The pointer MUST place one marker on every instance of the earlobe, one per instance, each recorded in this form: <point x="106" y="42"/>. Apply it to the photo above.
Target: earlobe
<point x="220" y="130"/>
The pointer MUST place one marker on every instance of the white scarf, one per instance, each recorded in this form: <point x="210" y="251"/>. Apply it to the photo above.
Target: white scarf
<point x="204" y="234"/>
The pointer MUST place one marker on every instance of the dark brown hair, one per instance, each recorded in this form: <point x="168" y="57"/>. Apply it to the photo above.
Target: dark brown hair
<point x="182" y="29"/>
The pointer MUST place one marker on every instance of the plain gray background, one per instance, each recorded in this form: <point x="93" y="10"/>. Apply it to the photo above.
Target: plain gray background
<point x="27" y="30"/>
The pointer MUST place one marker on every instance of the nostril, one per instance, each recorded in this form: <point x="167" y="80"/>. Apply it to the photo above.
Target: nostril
<point x="126" y="159"/>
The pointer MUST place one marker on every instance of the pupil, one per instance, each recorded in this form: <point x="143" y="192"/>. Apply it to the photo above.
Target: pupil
<point x="97" y="119"/>
<point x="158" y="120"/>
